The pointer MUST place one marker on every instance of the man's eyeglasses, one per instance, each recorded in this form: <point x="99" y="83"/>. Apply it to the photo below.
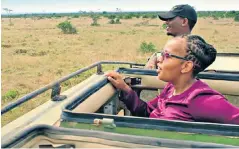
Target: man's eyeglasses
<point x="165" y="55"/>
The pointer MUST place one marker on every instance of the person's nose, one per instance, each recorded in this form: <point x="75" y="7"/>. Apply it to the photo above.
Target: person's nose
<point x="166" y="22"/>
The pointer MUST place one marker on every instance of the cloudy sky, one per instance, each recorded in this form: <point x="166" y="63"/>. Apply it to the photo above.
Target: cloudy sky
<point x="30" y="6"/>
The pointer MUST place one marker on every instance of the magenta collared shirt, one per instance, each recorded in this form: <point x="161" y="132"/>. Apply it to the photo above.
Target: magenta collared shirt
<point x="198" y="103"/>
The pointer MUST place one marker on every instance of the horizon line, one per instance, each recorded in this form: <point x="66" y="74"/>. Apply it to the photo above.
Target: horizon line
<point x="14" y="13"/>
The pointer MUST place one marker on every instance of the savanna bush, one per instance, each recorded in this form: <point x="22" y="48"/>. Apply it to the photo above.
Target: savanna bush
<point x="38" y="53"/>
<point x="153" y="16"/>
<point x="20" y="51"/>
<point x="111" y="16"/>
<point x="67" y="28"/>
<point x="95" y="20"/>
<point x="147" y="47"/>
<point x="145" y="16"/>
<point x="137" y="16"/>
<point x="11" y="94"/>
<point x="112" y="21"/>
<point x="236" y="18"/>
<point x="115" y="21"/>
<point x="120" y="16"/>
<point x="75" y="16"/>
<point x="215" y="17"/>
<point x="164" y="26"/>
<point x="129" y="16"/>
<point x="40" y="17"/>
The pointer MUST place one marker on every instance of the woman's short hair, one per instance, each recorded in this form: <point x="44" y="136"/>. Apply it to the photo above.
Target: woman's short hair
<point x="201" y="53"/>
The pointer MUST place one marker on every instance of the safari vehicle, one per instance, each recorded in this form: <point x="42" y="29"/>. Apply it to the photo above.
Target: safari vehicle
<point x="91" y="115"/>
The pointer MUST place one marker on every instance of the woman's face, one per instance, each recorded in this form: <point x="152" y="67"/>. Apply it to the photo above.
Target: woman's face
<point x="169" y="66"/>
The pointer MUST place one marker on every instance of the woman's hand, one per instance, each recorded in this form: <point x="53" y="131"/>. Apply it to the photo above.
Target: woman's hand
<point x="116" y="79"/>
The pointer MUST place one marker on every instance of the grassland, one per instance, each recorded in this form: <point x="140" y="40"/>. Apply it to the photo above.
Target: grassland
<point x="35" y="52"/>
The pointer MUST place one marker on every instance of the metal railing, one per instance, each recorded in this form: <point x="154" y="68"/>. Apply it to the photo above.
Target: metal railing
<point x="57" y="83"/>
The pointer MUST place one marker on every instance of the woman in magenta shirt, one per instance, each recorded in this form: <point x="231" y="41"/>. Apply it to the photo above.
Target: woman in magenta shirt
<point x="184" y="97"/>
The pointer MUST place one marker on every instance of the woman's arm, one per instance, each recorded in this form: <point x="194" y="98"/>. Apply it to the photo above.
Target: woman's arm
<point x="136" y="106"/>
<point x="214" y="108"/>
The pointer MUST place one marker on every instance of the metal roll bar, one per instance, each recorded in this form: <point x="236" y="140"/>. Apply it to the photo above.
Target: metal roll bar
<point x="55" y="86"/>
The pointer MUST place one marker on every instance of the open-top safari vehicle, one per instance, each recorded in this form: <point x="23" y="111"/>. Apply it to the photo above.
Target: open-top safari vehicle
<point x="91" y="115"/>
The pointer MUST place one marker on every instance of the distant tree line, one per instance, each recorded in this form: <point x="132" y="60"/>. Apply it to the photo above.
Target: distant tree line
<point x="120" y="15"/>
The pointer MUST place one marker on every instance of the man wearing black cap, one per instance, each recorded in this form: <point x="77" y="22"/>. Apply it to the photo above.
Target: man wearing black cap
<point x="180" y="20"/>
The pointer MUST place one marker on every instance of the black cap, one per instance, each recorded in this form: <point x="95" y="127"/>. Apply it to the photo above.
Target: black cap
<point x="185" y="11"/>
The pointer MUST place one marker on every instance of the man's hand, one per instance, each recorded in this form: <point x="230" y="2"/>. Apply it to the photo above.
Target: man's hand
<point x="152" y="62"/>
<point x="117" y="80"/>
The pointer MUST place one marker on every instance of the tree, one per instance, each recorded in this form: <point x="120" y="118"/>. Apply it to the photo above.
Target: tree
<point x="8" y="11"/>
<point x="118" y="10"/>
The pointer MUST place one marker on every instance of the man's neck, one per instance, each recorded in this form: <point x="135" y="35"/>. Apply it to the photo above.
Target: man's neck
<point x="183" y="33"/>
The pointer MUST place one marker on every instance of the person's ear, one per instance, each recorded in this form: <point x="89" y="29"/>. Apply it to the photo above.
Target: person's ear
<point x="185" y="22"/>
<point x="187" y="67"/>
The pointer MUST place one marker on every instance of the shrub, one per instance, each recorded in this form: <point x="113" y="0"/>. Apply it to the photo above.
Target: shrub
<point x="137" y="16"/>
<point x="215" y="17"/>
<point x="146" y="48"/>
<point x="40" y="17"/>
<point x="236" y="18"/>
<point x="164" y="26"/>
<point x="38" y="53"/>
<point x="75" y="16"/>
<point x="95" y="21"/>
<point x="153" y="16"/>
<point x="117" y="21"/>
<point x="21" y="51"/>
<point x="145" y="16"/>
<point x="121" y="17"/>
<point x="11" y="94"/>
<point x="112" y="21"/>
<point x="128" y="17"/>
<point x="6" y="46"/>
<point x="67" y="28"/>
<point x="112" y="16"/>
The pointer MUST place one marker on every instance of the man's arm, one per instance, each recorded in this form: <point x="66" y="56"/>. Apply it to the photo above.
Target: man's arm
<point x="152" y="62"/>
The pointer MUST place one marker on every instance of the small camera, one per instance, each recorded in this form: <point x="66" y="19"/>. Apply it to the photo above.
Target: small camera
<point x="132" y="80"/>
